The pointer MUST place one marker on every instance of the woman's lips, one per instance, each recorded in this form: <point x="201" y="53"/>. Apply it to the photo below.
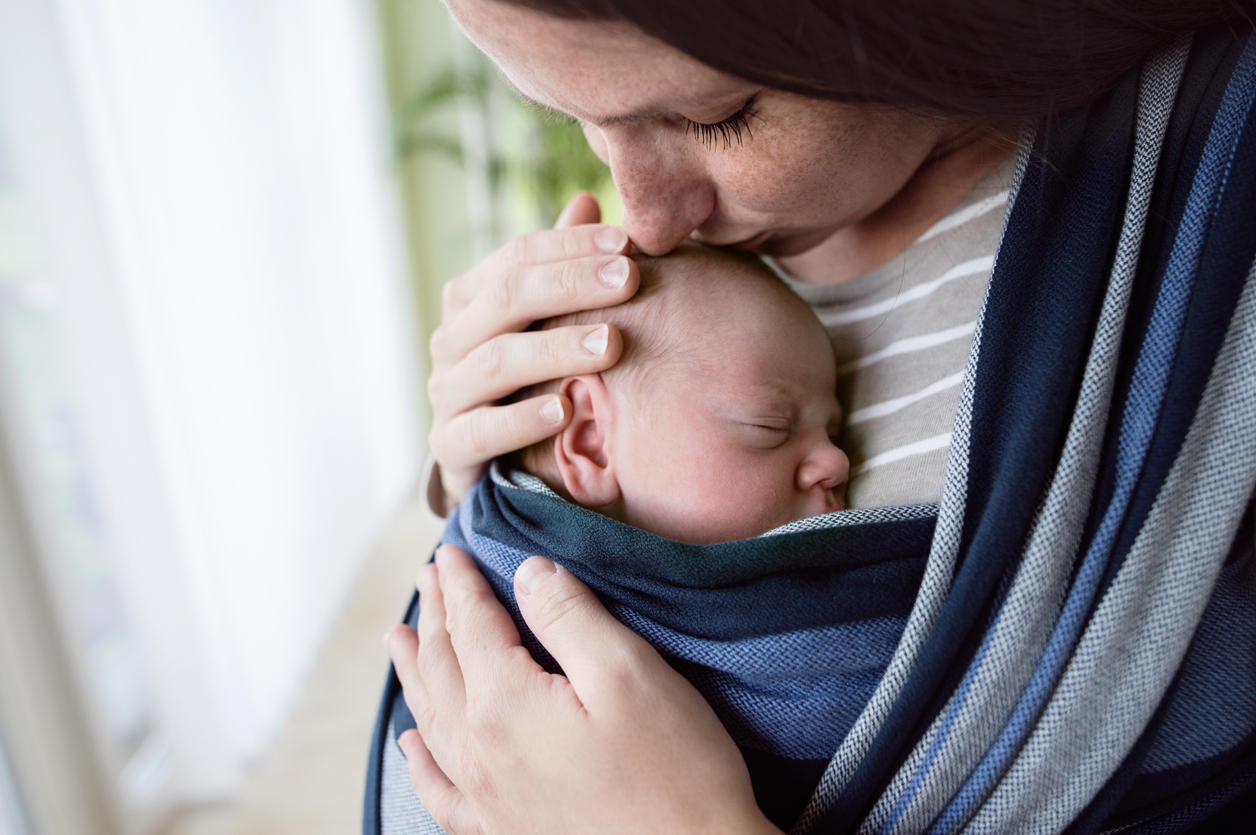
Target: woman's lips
<point x="775" y="242"/>
<point x="753" y="243"/>
<point x="745" y="243"/>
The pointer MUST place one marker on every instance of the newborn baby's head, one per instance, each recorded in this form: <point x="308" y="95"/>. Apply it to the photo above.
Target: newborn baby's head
<point x="717" y="422"/>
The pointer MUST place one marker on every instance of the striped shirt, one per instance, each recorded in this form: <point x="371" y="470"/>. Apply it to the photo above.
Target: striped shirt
<point x="901" y="334"/>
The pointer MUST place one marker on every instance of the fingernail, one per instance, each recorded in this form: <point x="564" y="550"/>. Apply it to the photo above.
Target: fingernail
<point x="387" y="642"/>
<point x="534" y="572"/>
<point x="614" y="273"/>
<point x="611" y="239"/>
<point x="552" y="410"/>
<point x="595" y="341"/>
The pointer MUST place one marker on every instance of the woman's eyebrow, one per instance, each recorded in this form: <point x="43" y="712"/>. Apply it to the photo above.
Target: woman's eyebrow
<point x="601" y="121"/>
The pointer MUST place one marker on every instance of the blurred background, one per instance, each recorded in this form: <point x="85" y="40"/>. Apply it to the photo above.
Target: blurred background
<point x="223" y="229"/>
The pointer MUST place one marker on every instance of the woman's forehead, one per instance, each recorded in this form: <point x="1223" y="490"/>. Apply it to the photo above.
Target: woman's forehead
<point x="603" y="72"/>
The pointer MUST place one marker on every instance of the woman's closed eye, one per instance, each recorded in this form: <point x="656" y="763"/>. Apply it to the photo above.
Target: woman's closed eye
<point x="726" y="130"/>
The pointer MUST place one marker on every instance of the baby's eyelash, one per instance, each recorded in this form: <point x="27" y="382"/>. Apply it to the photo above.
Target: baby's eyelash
<point x="725" y="130"/>
<point x="771" y="436"/>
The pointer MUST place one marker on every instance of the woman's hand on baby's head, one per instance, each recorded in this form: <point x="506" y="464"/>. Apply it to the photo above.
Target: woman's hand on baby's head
<point x="482" y="350"/>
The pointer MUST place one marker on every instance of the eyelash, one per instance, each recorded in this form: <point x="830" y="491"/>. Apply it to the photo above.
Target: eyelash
<point x="725" y="130"/>
<point x="778" y="435"/>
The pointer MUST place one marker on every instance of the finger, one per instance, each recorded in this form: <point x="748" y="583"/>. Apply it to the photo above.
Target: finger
<point x="592" y="647"/>
<point x="403" y="648"/>
<point x="470" y="439"/>
<point x="440" y="797"/>
<point x="545" y="246"/>
<point x="512" y="361"/>
<point x="581" y="208"/>
<point x="483" y="635"/>
<point x="438" y="665"/>
<point x="533" y="293"/>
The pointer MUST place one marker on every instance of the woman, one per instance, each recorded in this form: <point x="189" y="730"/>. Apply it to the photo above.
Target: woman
<point x="1086" y="501"/>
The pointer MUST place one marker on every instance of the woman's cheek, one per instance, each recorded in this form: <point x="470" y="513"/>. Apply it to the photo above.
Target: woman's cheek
<point x="770" y="173"/>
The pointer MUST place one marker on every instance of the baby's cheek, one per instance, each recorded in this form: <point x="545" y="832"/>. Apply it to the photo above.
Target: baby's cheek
<point x="736" y="502"/>
<point x="692" y="484"/>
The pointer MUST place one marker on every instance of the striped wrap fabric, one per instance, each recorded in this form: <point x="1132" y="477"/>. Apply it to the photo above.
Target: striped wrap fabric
<point x="1066" y="642"/>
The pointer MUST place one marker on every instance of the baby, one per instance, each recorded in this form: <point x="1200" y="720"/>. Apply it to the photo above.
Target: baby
<point x="717" y="423"/>
<point x="715" y="426"/>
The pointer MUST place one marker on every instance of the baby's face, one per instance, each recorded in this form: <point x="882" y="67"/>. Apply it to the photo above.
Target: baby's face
<point x="736" y="437"/>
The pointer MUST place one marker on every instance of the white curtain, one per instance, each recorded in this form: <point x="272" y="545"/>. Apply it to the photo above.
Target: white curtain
<point x="210" y="344"/>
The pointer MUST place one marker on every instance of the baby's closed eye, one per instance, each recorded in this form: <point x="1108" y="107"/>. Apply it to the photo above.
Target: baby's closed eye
<point x="766" y="434"/>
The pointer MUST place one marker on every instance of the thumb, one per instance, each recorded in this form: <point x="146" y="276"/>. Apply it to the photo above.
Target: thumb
<point x="581" y="209"/>
<point x="573" y="625"/>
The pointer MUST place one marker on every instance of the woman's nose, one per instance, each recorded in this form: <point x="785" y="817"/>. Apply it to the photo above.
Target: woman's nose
<point x="825" y="467"/>
<point x="664" y="194"/>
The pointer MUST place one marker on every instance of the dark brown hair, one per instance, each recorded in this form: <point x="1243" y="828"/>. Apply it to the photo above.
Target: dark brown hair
<point x="982" y="58"/>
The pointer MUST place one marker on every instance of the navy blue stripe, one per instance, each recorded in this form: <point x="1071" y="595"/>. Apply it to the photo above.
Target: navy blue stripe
<point x="1140" y="416"/>
<point x="1225" y="259"/>
<point x="1135" y="786"/>
<point x="724" y="591"/>
<point x="1033" y="347"/>
<point x="1203" y="84"/>
<point x="380" y="737"/>
<point x="1220" y="804"/>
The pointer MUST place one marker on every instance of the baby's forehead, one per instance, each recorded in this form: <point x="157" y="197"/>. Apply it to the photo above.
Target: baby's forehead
<point x="700" y="289"/>
<point x="706" y="309"/>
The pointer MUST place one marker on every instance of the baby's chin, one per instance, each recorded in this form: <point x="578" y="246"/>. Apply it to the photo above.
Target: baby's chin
<point x="710" y="533"/>
<point x="747" y="530"/>
<point x="700" y="527"/>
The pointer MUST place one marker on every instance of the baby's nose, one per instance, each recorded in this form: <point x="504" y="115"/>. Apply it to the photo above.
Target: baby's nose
<point x="826" y="467"/>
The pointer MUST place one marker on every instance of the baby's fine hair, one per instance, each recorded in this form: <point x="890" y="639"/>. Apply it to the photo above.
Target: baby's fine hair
<point x="653" y="322"/>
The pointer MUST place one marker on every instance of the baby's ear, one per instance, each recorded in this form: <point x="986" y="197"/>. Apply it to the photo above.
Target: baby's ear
<point x="580" y="451"/>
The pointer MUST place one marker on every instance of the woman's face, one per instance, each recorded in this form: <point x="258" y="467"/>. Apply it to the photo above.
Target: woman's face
<point x="695" y="152"/>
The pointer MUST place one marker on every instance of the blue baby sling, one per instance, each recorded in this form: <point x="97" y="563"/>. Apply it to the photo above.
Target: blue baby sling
<point x="1067" y="640"/>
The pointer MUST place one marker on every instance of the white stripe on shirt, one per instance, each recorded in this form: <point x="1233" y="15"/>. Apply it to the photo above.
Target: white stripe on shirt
<point x="905" y="451"/>
<point x="920" y="291"/>
<point x="908" y="345"/>
<point x="889" y="407"/>
<point x="964" y="215"/>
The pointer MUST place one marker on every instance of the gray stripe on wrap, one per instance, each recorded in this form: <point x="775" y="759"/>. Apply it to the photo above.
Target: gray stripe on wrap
<point x="1135" y="640"/>
<point x="1029" y="613"/>
<point x="939" y="571"/>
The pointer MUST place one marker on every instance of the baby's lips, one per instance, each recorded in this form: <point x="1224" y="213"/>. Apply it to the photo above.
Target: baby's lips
<point x="839" y="496"/>
<point x="825" y="500"/>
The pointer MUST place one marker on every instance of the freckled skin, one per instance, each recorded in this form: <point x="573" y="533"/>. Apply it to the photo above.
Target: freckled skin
<point x="839" y="188"/>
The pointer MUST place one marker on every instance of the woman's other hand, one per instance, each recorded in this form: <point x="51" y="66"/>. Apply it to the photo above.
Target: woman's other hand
<point x="621" y="743"/>
<point x="481" y="353"/>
